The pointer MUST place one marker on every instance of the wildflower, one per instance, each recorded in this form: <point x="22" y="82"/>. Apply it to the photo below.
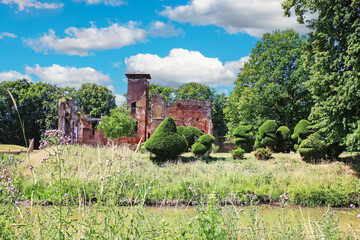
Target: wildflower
<point x="65" y="195"/>
<point x="101" y="179"/>
<point x="136" y="185"/>
<point x="123" y="158"/>
<point x="52" y="173"/>
<point x="9" y="179"/>
<point x="117" y="171"/>
<point x="351" y="205"/>
<point x="108" y="176"/>
<point x="132" y="170"/>
<point x="76" y="153"/>
<point x="358" y="215"/>
<point x="59" y="152"/>
<point x="286" y="204"/>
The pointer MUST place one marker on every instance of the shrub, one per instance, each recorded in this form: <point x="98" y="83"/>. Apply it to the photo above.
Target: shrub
<point x="283" y="135"/>
<point x="244" y="138"/>
<point x="165" y="142"/>
<point x="202" y="146"/>
<point x="238" y="153"/>
<point x="312" y="148"/>
<point x="301" y="132"/>
<point x="191" y="134"/>
<point x="334" y="150"/>
<point x="262" y="153"/>
<point x="266" y="136"/>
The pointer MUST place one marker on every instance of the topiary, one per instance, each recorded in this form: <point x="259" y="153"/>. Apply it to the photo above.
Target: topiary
<point x="283" y="135"/>
<point x="244" y="138"/>
<point x="202" y="146"/>
<point x="301" y="132"/>
<point x="263" y="153"/>
<point x="165" y="142"/>
<point x="191" y="134"/>
<point x="266" y="136"/>
<point x="238" y="153"/>
<point x="312" y="148"/>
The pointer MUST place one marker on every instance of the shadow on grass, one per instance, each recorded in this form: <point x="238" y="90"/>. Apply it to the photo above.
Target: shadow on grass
<point x="353" y="160"/>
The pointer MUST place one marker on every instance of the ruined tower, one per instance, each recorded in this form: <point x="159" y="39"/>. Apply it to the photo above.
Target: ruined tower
<point x="138" y="102"/>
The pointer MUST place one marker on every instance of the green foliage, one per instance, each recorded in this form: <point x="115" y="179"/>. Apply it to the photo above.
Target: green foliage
<point x="262" y="153"/>
<point x="191" y="134"/>
<point x="167" y="93"/>
<point x="165" y="142"/>
<point x="118" y="124"/>
<point x="271" y="83"/>
<point x="284" y="142"/>
<point x="301" y="132"/>
<point x="95" y="100"/>
<point x="202" y="145"/>
<point x="312" y="148"/>
<point x="243" y="137"/>
<point x="238" y="153"/>
<point x="267" y="135"/>
<point x="332" y="55"/>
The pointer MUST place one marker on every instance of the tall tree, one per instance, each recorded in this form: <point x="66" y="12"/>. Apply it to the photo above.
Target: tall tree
<point x="167" y="93"/>
<point x="271" y="83"/>
<point x="95" y="100"/>
<point x="333" y="52"/>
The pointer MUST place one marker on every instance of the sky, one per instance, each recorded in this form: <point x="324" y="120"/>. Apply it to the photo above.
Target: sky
<point x="70" y="42"/>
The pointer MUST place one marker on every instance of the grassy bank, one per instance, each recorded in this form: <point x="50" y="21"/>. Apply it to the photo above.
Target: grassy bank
<point x="122" y="177"/>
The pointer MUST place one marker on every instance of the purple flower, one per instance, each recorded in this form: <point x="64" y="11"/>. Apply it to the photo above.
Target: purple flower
<point x="117" y="171"/>
<point x="358" y="215"/>
<point x="65" y="195"/>
<point x="136" y="185"/>
<point x="351" y="205"/>
<point x="76" y="153"/>
<point x="132" y="170"/>
<point x="108" y="176"/>
<point x="101" y="178"/>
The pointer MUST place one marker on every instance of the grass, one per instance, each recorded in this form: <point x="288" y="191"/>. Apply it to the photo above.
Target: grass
<point x="11" y="148"/>
<point x="135" y="178"/>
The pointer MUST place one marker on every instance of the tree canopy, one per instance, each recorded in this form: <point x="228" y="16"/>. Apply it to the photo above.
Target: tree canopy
<point x="271" y="83"/>
<point x="332" y="53"/>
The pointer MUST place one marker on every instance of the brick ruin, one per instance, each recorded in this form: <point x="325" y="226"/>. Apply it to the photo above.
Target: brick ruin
<point x="187" y="112"/>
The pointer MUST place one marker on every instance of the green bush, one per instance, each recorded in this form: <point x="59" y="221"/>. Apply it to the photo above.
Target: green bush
<point x="202" y="145"/>
<point x="266" y="136"/>
<point x="243" y="137"/>
<point x="283" y="135"/>
<point x="238" y="153"/>
<point x="191" y="134"/>
<point x="312" y="148"/>
<point x="262" y="153"/>
<point x="165" y="142"/>
<point x="334" y="150"/>
<point x="301" y="132"/>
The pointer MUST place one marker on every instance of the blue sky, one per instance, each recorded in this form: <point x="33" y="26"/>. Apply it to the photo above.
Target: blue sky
<point x="177" y="41"/>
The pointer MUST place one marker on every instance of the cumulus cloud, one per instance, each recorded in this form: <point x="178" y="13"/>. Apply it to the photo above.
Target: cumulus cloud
<point x="253" y="17"/>
<point x="26" y="4"/>
<point x="160" y="29"/>
<point x="13" y="76"/>
<point x="7" y="35"/>
<point x="119" y="99"/>
<point x="68" y="76"/>
<point x="184" y="66"/>
<point x="113" y="3"/>
<point x="81" y="41"/>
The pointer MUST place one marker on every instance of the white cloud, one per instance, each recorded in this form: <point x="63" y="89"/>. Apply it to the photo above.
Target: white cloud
<point x="68" y="76"/>
<point x="81" y="41"/>
<point x="12" y="76"/>
<point x="254" y="17"/>
<point x="119" y="99"/>
<point x="113" y="3"/>
<point x="7" y="34"/>
<point x="160" y="29"/>
<point x="26" y="4"/>
<point x="184" y="66"/>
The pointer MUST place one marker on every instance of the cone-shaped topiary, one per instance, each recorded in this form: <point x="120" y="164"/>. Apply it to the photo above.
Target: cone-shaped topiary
<point x="165" y="142"/>
<point x="267" y="135"/>
<point x="312" y="148"/>
<point x="244" y="138"/>
<point x="203" y="146"/>
<point x="301" y="132"/>
<point x="283" y="135"/>
<point x="191" y="134"/>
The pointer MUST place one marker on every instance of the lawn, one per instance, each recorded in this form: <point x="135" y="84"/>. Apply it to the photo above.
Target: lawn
<point x="11" y="148"/>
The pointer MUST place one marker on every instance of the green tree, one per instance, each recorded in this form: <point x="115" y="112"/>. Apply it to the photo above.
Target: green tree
<point x="118" y="124"/>
<point x="167" y="93"/>
<point x="95" y="100"/>
<point x="333" y="52"/>
<point x="271" y="83"/>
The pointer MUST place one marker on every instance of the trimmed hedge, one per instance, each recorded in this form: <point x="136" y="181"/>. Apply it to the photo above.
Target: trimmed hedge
<point x="165" y="142"/>
<point x="244" y="138"/>
<point x="312" y="148"/>
<point x="301" y="132"/>
<point x="191" y="134"/>
<point x="266" y="136"/>
<point x="238" y="153"/>
<point x="202" y="145"/>
<point x="283" y="135"/>
<point x="263" y="153"/>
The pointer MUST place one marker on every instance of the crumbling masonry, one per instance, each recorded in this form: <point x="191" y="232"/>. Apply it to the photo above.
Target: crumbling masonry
<point x="187" y="112"/>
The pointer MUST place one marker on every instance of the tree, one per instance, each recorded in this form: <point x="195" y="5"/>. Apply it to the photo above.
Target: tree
<point x="118" y="124"/>
<point x="167" y="93"/>
<point x="95" y="100"/>
<point x="271" y="83"/>
<point x="333" y="52"/>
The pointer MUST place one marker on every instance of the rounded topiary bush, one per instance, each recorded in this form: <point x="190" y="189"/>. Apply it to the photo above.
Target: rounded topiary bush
<point x="203" y="146"/>
<point x="165" y="142"/>
<point x="191" y="134"/>
<point x="238" y="153"/>
<point x="243" y="137"/>
<point x="263" y="153"/>
<point x="283" y="135"/>
<point x="301" y="132"/>
<point x="312" y="148"/>
<point x="266" y="136"/>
